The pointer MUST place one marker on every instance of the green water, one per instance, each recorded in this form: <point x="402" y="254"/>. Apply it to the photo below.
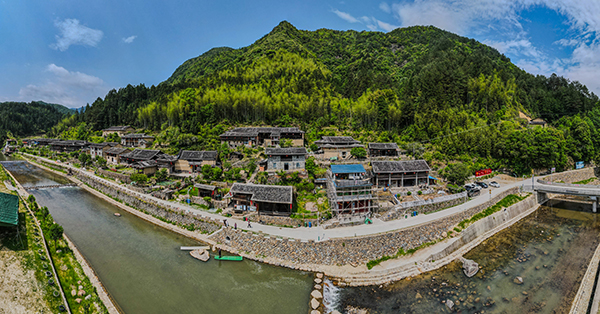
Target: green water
<point x="550" y="250"/>
<point x="143" y="269"/>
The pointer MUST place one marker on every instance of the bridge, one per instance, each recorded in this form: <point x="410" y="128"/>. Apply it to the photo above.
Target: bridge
<point x="543" y="188"/>
<point x="37" y="187"/>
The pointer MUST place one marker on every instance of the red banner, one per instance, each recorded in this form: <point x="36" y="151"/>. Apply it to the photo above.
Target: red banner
<point x="483" y="172"/>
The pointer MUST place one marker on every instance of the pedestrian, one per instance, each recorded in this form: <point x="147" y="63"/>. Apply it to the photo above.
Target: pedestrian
<point x="249" y="226"/>
<point x="235" y="226"/>
<point x="219" y="252"/>
<point x="225" y="223"/>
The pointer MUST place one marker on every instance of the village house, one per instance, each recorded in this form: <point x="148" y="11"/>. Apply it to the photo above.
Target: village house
<point x="120" y="130"/>
<point x="383" y="150"/>
<point x="113" y="155"/>
<point x="401" y="173"/>
<point x="137" y="140"/>
<point x="251" y="137"/>
<point x="146" y="167"/>
<point x="43" y="141"/>
<point x="265" y="199"/>
<point x="193" y="160"/>
<point x="350" y="190"/>
<point x="68" y="146"/>
<point x="538" y="121"/>
<point x="205" y="190"/>
<point x="286" y="159"/>
<point x="167" y="161"/>
<point x="141" y="155"/>
<point x="337" y="147"/>
<point x="99" y="150"/>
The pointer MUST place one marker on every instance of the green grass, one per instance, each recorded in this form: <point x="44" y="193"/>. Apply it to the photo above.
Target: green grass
<point x="586" y="181"/>
<point x="505" y="202"/>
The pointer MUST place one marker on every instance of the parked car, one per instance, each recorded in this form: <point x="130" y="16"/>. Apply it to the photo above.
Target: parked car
<point x="472" y="186"/>
<point x="473" y="192"/>
<point x="482" y="184"/>
<point x="495" y="184"/>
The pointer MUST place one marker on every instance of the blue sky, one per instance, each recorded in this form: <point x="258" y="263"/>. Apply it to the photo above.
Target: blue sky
<point x="71" y="52"/>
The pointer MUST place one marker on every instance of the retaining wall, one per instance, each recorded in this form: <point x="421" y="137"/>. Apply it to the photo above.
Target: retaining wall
<point x="423" y="207"/>
<point x="574" y="175"/>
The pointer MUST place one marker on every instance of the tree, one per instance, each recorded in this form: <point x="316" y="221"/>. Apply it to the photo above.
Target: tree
<point x="139" y="178"/>
<point x="358" y="152"/>
<point x="457" y="173"/>
<point x="261" y="178"/>
<point x="161" y="175"/>
<point x="284" y="142"/>
<point x="216" y="173"/>
<point x="101" y="162"/>
<point x="84" y="158"/>
<point x="55" y="232"/>
<point x="206" y="172"/>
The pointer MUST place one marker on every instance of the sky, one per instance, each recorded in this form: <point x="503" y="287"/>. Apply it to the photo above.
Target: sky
<point x="72" y="52"/>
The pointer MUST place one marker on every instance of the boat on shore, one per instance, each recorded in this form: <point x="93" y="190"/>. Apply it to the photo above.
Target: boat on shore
<point x="229" y="258"/>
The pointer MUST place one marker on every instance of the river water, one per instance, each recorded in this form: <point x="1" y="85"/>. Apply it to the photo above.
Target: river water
<point x="143" y="269"/>
<point x="550" y="250"/>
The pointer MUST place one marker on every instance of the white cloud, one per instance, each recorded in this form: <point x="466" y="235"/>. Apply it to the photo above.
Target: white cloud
<point x="385" y="26"/>
<point x="129" y="39"/>
<point x="567" y="42"/>
<point x="345" y="16"/>
<point x="385" y="7"/>
<point x="515" y="46"/>
<point x="72" y="89"/>
<point x="73" y="33"/>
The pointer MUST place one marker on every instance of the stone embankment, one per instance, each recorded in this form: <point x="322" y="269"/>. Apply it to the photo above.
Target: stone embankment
<point x="424" y="207"/>
<point x="574" y="175"/>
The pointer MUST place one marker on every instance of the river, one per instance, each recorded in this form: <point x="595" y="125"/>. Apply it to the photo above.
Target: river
<point x="142" y="268"/>
<point x="550" y="250"/>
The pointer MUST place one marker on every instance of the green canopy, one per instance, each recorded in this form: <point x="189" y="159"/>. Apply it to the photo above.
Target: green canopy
<point x="9" y="210"/>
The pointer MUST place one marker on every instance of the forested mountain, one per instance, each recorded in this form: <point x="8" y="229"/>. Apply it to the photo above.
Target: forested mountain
<point x="452" y="97"/>
<point x="23" y="119"/>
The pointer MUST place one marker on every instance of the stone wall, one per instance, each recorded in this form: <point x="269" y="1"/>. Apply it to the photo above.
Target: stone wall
<point x="423" y="207"/>
<point x="358" y="250"/>
<point x="280" y="220"/>
<point x="116" y="176"/>
<point x="171" y="214"/>
<point x="574" y="175"/>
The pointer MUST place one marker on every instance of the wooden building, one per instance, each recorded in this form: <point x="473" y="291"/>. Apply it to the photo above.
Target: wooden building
<point x="113" y="155"/>
<point x="68" y="146"/>
<point x="400" y="173"/>
<point x="337" y="146"/>
<point x="138" y="155"/>
<point x="120" y="130"/>
<point x="349" y="189"/>
<point x="265" y="199"/>
<point x="286" y="159"/>
<point x="137" y="140"/>
<point x="383" y="150"/>
<point x="146" y="167"/>
<point x="99" y="149"/>
<point x="262" y="136"/>
<point x="205" y="190"/>
<point x="193" y="160"/>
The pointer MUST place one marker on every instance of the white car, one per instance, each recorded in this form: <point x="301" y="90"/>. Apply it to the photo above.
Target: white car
<point x="495" y="184"/>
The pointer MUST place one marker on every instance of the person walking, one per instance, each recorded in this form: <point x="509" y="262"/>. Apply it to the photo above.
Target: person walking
<point x="249" y="226"/>
<point x="235" y="226"/>
<point x="219" y="252"/>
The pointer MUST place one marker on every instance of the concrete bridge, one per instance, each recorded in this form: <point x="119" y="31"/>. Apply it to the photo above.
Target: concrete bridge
<point x="37" y="187"/>
<point x="543" y="188"/>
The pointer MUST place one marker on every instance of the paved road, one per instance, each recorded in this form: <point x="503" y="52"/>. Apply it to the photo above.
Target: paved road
<point x="318" y="233"/>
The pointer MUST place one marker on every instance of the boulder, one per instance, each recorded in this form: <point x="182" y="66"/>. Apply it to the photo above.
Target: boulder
<point x="73" y="292"/>
<point x="320" y="275"/>
<point x="314" y="304"/>
<point x="518" y="280"/>
<point x="418" y="296"/>
<point x="470" y="267"/>
<point x="316" y="294"/>
<point x="315" y="312"/>
<point x="318" y="280"/>
<point x="449" y="304"/>
<point x="89" y="296"/>
<point x="318" y="287"/>
<point x="78" y="300"/>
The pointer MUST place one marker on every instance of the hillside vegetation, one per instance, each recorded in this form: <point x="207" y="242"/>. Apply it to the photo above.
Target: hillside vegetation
<point x="23" y="119"/>
<point x="443" y="97"/>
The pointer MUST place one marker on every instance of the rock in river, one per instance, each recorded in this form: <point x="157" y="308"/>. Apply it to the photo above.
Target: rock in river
<point x="470" y="267"/>
<point x="449" y="304"/>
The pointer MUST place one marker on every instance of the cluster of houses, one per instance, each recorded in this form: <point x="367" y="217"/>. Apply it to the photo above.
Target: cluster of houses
<point x="350" y="187"/>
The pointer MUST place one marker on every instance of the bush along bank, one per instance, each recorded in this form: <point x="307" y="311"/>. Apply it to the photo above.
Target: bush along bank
<point x="81" y="295"/>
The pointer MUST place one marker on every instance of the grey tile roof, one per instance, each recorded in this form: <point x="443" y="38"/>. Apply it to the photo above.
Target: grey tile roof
<point x="73" y="143"/>
<point x="253" y="132"/>
<point x="265" y="193"/>
<point x="205" y="187"/>
<point x="399" y="166"/>
<point x="117" y="151"/>
<point x="102" y="145"/>
<point x="142" y="154"/>
<point x="144" y="164"/>
<point x="195" y="155"/>
<point x="117" y="128"/>
<point x="286" y="151"/>
<point x="337" y="140"/>
<point x="383" y="146"/>
<point x="137" y="135"/>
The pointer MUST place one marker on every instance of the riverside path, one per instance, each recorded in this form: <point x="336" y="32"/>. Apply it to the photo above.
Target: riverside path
<point x="318" y="233"/>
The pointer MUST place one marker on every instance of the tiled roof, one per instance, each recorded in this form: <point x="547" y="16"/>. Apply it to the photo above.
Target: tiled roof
<point x="137" y="135"/>
<point x="399" y="166"/>
<point x="195" y="155"/>
<point x="69" y="143"/>
<point x="286" y="151"/>
<point x="383" y="146"/>
<point x="144" y="164"/>
<point x="356" y="168"/>
<point x="102" y="145"/>
<point x="142" y="154"/>
<point x="205" y="187"/>
<point x="117" y="151"/>
<point x="265" y="193"/>
<point x="9" y="210"/>
<point x="117" y="128"/>
<point x="253" y="132"/>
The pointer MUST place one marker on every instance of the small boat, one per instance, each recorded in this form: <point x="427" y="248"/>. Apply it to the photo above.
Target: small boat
<point x="117" y="214"/>
<point x="200" y="254"/>
<point x="229" y="258"/>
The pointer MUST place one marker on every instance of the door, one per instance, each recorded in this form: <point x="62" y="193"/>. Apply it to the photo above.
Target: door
<point x="286" y="166"/>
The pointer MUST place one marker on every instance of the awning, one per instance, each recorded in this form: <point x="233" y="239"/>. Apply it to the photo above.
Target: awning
<point x="9" y="210"/>
<point x="432" y="178"/>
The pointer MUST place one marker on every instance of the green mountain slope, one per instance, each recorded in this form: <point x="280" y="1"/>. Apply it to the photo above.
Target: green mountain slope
<point x="24" y="119"/>
<point x="453" y="95"/>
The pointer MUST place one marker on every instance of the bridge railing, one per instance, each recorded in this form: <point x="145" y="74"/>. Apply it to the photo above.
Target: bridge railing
<point x="587" y="186"/>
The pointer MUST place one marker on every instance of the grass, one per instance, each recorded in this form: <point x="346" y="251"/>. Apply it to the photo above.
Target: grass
<point x="401" y="252"/>
<point x="586" y="181"/>
<point x="503" y="203"/>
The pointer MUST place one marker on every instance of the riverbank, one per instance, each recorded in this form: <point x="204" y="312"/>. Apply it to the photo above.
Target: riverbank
<point x="86" y="268"/>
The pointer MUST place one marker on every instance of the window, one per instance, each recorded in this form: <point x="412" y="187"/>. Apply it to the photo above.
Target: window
<point x="274" y="165"/>
<point x="297" y="165"/>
